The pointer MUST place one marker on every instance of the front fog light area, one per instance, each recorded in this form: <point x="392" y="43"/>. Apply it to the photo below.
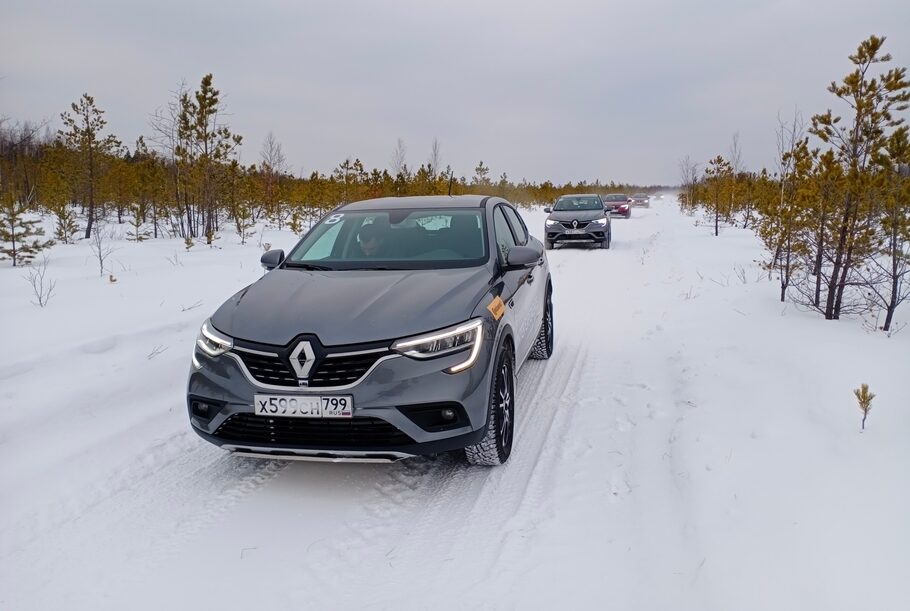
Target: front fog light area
<point x="435" y="417"/>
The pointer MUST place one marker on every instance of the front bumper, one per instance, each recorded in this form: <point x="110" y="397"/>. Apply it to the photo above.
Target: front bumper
<point x="559" y="234"/>
<point x="386" y="423"/>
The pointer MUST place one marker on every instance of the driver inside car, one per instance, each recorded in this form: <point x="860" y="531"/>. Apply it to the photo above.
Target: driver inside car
<point x="371" y="239"/>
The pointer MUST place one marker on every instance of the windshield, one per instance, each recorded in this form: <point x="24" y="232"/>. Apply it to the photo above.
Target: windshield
<point x="641" y="196"/>
<point x="616" y="197"/>
<point x="394" y="239"/>
<point x="575" y="202"/>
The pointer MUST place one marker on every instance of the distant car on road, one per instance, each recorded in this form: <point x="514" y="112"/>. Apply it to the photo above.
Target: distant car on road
<point x="618" y="203"/>
<point x="395" y="327"/>
<point x="641" y="199"/>
<point x="578" y="219"/>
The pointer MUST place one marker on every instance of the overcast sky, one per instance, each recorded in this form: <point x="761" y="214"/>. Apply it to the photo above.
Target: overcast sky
<point x="555" y="90"/>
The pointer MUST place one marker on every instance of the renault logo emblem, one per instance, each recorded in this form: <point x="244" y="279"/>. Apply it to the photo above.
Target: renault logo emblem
<point x="575" y="224"/>
<point x="302" y="359"/>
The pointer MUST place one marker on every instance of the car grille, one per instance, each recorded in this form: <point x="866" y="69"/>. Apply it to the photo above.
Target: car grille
<point x="343" y="370"/>
<point x="568" y="224"/>
<point x="269" y="369"/>
<point x="338" y="371"/>
<point x="312" y="432"/>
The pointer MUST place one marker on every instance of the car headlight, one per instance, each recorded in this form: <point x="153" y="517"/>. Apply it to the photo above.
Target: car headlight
<point x="466" y="337"/>
<point x="550" y="223"/>
<point x="602" y="222"/>
<point x="212" y="342"/>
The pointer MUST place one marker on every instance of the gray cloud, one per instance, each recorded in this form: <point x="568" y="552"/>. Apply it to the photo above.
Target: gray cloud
<point x="568" y="91"/>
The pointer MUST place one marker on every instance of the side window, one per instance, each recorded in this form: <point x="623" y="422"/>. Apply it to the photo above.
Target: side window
<point x="505" y="241"/>
<point x="521" y="232"/>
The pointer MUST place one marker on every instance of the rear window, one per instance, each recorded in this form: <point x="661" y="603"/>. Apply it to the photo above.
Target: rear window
<point x="394" y="239"/>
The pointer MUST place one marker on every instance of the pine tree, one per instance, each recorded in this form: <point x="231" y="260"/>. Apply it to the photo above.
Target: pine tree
<point x="83" y="134"/>
<point x="66" y="227"/>
<point x="888" y="273"/>
<point x="55" y="191"/>
<point x="138" y="213"/>
<point x="718" y="185"/>
<point x="873" y="102"/>
<point x="864" y="399"/>
<point x="828" y="192"/>
<point x="18" y="235"/>
<point x="206" y="144"/>
<point x="296" y="222"/>
<point x="240" y="197"/>
<point x="481" y="176"/>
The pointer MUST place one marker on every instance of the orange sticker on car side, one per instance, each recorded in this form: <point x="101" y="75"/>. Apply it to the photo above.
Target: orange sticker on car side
<point x="497" y="308"/>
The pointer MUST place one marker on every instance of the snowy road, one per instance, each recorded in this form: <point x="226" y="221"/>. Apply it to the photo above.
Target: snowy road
<point x="691" y="445"/>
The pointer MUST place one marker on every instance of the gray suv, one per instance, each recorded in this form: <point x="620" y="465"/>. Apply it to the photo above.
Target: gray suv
<point x="578" y="219"/>
<point x="394" y="328"/>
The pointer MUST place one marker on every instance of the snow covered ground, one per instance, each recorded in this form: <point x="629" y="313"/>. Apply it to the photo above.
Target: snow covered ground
<point x="693" y="444"/>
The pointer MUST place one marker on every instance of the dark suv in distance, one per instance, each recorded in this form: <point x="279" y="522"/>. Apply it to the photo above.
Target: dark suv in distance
<point x="641" y="199"/>
<point x="578" y="219"/>
<point x="395" y="327"/>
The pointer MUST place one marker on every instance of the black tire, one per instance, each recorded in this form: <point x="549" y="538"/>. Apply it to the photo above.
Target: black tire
<point x="548" y="245"/>
<point x="629" y="214"/>
<point x="496" y="445"/>
<point x="543" y="345"/>
<point x="606" y="243"/>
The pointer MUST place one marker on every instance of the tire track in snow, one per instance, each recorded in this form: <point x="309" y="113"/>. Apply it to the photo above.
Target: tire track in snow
<point x="510" y="506"/>
<point x="145" y="513"/>
<point x="411" y="510"/>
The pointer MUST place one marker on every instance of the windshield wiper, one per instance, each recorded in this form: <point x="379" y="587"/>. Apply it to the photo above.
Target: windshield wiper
<point x="309" y="266"/>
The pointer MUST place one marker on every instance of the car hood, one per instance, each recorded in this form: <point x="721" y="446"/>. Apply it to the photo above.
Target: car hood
<point x="576" y="215"/>
<point x="351" y="307"/>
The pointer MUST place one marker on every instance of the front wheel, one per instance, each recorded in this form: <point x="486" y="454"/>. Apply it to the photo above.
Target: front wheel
<point x="543" y="345"/>
<point x="496" y="445"/>
<point x="548" y="245"/>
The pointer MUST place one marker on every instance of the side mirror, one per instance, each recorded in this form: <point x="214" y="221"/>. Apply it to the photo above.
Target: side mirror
<point x="548" y="210"/>
<point x="521" y="257"/>
<point x="272" y="259"/>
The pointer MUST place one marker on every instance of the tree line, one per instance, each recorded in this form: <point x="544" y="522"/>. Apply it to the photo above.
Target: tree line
<point x="183" y="178"/>
<point x="834" y="215"/>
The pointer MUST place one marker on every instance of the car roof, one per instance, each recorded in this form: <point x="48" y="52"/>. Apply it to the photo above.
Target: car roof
<point x="579" y="195"/>
<point x="419" y="201"/>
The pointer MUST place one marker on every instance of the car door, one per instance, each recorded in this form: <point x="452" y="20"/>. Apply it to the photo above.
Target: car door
<point x="537" y="276"/>
<point x="517" y="286"/>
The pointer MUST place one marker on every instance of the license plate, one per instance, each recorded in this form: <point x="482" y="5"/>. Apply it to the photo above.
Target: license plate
<point x="575" y="231"/>
<point x="304" y="406"/>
